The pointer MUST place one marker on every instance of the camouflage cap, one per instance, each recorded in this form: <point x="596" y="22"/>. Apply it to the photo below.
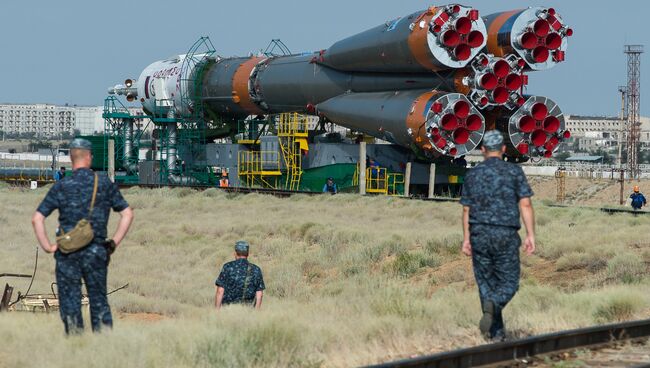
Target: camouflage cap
<point x="493" y="140"/>
<point x="80" y="143"/>
<point x="242" y="246"/>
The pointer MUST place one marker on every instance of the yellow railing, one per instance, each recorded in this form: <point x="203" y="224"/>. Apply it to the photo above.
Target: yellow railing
<point x="380" y="181"/>
<point x="265" y="167"/>
<point x="292" y="124"/>
<point x="259" y="167"/>
<point x="376" y="180"/>
<point x="292" y="134"/>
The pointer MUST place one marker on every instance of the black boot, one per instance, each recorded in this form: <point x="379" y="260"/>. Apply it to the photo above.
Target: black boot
<point x="488" y="318"/>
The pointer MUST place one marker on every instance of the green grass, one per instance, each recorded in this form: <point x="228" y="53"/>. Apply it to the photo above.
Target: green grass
<point x="350" y="281"/>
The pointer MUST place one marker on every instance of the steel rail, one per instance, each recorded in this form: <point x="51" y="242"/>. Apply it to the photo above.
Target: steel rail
<point x="511" y="351"/>
<point x="287" y="193"/>
<point x="21" y="275"/>
<point x="275" y="192"/>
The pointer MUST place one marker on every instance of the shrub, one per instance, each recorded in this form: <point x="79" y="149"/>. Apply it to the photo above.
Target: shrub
<point x="626" y="268"/>
<point x="576" y="260"/>
<point x="448" y="245"/>
<point x="619" y="308"/>
<point x="405" y="264"/>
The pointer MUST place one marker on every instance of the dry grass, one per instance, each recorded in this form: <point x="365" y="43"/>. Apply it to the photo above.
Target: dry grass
<point x="350" y="281"/>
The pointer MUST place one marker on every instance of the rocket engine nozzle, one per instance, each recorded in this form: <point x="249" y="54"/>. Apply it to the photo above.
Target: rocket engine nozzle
<point x="535" y="129"/>
<point x="454" y="126"/>
<point x="496" y="81"/>
<point x="538" y="35"/>
<point x="460" y="33"/>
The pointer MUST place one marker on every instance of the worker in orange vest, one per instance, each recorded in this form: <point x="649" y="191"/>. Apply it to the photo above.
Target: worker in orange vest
<point x="223" y="183"/>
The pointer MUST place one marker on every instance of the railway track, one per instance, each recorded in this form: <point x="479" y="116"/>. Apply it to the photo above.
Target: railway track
<point x="634" y="353"/>
<point x="287" y="193"/>
<point x="275" y="192"/>
<point x="626" y="341"/>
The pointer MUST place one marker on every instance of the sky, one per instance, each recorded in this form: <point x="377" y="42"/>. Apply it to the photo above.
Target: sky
<point x="71" y="51"/>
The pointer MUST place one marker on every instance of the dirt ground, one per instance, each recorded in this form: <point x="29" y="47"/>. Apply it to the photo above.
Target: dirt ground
<point x="142" y="317"/>
<point x="586" y="192"/>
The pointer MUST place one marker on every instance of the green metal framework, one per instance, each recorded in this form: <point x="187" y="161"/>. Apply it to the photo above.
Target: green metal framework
<point x="276" y="48"/>
<point x="116" y="118"/>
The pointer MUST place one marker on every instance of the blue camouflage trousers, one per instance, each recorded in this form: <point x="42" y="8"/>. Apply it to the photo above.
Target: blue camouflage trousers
<point x="495" y="257"/>
<point x="89" y="264"/>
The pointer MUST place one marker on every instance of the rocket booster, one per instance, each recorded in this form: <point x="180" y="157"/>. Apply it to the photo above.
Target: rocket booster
<point x="429" y="81"/>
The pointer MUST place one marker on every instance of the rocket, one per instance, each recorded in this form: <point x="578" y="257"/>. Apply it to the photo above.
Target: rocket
<point x="433" y="81"/>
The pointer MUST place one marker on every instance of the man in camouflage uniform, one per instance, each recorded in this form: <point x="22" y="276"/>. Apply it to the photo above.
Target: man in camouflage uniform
<point x="240" y="282"/>
<point x="72" y="196"/>
<point x="494" y="194"/>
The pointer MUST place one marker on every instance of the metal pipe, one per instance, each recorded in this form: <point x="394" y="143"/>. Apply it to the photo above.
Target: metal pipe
<point x="111" y="159"/>
<point x="129" y="164"/>
<point x="172" y="158"/>
<point x="172" y="135"/>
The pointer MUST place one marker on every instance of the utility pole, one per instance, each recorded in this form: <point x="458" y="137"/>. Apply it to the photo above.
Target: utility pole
<point x="622" y="184"/>
<point x="560" y="178"/>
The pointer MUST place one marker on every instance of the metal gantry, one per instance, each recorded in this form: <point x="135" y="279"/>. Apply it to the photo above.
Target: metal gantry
<point x="292" y="135"/>
<point x="192" y="122"/>
<point x="181" y="129"/>
<point x="263" y="165"/>
<point x="633" y="91"/>
<point x="126" y="130"/>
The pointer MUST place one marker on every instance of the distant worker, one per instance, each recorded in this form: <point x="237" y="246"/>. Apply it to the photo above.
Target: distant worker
<point x="240" y="282"/>
<point x="372" y="163"/>
<point x="494" y="194"/>
<point x="84" y="200"/>
<point x="58" y="175"/>
<point x="330" y="186"/>
<point x="638" y="200"/>
<point x="223" y="182"/>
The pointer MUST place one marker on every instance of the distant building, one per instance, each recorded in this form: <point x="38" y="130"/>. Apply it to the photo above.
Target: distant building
<point x="594" y="132"/>
<point x="89" y="119"/>
<point x="52" y="121"/>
